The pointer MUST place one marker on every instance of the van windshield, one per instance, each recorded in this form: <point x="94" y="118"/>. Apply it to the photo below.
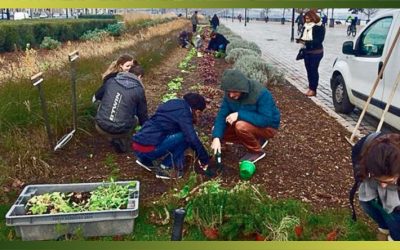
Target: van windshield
<point x="372" y="40"/>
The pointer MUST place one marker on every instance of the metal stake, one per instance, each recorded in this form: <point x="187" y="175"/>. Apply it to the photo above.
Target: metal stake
<point x="66" y="138"/>
<point x="396" y="83"/>
<point x="36" y="81"/>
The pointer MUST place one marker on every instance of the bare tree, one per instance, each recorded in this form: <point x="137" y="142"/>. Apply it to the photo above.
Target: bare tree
<point x="369" y="13"/>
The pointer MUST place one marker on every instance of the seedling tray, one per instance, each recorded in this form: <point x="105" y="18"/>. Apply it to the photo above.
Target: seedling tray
<point x="55" y="226"/>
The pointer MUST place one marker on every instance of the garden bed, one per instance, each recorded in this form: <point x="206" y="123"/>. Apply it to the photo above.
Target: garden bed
<point x="309" y="159"/>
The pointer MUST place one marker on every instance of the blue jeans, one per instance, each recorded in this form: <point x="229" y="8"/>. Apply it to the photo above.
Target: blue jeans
<point x="379" y="215"/>
<point x="311" y="62"/>
<point x="172" y="149"/>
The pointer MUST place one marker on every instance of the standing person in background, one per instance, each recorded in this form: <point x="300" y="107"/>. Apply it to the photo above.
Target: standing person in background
<point x="300" y="23"/>
<point x="195" y="21"/>
<point x="214" y="22"/>
<point x="324" y="20"/>
<point x="240" y="18"/>
<point x="376" y="165"/>
<point x="122" y="103"/>
<point x="312" y="37"/>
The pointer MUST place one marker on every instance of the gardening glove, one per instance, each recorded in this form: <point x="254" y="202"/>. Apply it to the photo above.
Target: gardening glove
<point x="232" y="118"/>
<point x="216" y="145"/>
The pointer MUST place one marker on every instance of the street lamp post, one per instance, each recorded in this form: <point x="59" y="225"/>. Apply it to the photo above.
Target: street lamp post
<point x="245" y="17"/>
<point x="292" y="36"/>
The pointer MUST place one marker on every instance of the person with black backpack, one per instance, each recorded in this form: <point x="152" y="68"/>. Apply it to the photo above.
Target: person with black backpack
<point x="376" y="165"/>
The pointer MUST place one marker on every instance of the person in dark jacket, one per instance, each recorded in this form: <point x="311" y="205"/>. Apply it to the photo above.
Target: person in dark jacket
<point x="376" y="164"/>
<point x="217" y="42"/>
<point x="168" y="133"/>
<point x="123" y="105"/>
<point x="214" y="22"/>
<point x="185" y="39"/>
<point x="312" y="37"/>
<point x="248" y="115"/>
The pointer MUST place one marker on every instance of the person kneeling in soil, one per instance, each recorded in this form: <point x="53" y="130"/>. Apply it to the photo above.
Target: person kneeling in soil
<point x="376" y="164"/>
<point x="122" y="104"/>
<point x="185" y="39"/>
<point x="248" y="115"/>
<point x="168" y="133"/>
<point x="217" y="42"/>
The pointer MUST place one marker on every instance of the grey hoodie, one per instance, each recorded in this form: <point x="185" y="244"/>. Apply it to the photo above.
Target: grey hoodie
<point x="123" y="99"/>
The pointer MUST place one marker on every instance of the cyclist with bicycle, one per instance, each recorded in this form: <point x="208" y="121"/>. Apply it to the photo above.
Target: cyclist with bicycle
<point x="352" y="27"/>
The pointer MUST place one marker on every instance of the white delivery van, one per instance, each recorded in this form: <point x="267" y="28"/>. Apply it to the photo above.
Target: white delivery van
<point x="356" y="69"/>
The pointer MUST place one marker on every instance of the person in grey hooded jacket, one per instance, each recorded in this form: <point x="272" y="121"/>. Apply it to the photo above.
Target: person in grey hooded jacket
<point x="122" y="100"/>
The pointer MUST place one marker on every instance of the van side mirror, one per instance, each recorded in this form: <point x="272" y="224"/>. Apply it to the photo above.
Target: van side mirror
<point x="347" y="48"/>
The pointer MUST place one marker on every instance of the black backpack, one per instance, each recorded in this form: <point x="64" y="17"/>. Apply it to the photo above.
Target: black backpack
<point x="360" y="146"/>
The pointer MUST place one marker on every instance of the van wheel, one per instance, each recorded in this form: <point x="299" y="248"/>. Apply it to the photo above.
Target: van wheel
<point x="340" y="98"/>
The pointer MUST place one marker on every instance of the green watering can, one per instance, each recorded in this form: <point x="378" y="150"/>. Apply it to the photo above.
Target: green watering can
<point x="246" y="170"/>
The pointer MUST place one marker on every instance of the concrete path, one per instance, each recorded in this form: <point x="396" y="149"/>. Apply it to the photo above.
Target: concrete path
<point x="274" y="40"/>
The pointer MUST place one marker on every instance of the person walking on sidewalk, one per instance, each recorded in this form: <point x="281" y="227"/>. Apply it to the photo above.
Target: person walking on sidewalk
<point x="376" y="164"/>
<point x="122" y="104"/>
<point x="195" y="21"/>
<point x="214" y="22"/>
<point x="312" y="37"/>
<point x="168" y="133"/>
<point x="248" y="115"/>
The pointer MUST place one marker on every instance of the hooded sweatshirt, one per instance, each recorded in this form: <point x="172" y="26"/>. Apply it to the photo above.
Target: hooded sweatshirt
<point x="123" y="99"/>
<point x="171" y="117"/>
<point x="256" y="104"/>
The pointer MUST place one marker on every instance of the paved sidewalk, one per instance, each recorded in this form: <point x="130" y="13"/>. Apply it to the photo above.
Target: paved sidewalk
<point x="274" y="40"/>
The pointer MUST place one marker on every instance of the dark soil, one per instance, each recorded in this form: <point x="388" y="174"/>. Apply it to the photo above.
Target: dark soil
<point x="308" y="160"/>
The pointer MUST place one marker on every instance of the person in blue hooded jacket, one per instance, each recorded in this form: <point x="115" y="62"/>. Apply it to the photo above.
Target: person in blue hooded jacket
<point x="168" y="133"/>
<point x="248" y="115"/>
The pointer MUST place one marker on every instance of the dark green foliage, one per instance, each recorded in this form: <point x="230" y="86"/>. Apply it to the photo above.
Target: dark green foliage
<point x="115" y="29"/>
<point x="49" y="43"/>
<point x="97" y="17"/>
<point x="18" y="34"/>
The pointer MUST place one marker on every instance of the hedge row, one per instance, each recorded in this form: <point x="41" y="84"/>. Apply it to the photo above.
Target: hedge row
<point x="16" y="34"/>
<point x="146" y="23"/>
<point x="96" y="16"/>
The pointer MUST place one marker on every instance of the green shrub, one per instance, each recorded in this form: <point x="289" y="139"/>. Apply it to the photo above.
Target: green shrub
<point x="18" y="34"/>
<point x="235" y="54"/>
<point x="49" y="43"/>
<point x="253" y="67"/>
<point x="243" y="44"/>
<point x="94" y="35"/>
<point x="115" y="29"/>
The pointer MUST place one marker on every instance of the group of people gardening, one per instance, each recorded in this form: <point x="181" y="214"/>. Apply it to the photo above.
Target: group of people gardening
<point x="248" y="115"/>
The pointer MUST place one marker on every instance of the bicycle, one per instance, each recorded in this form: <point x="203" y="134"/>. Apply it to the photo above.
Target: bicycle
<point x="351" y="30"/>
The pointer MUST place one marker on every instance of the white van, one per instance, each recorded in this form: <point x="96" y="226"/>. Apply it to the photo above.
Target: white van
<point x="20" y="15"/>
<point x="356" y="69"/>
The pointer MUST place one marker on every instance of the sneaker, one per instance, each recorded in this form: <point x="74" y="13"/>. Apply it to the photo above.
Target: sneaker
<point x="253" y="157"/>
<point x="146" y="164"/>
<point x="263" y="143"/>
<point x="119" y="146"/>
<point x="383" y="231"/>
<point x="164" y="167"/>
<point x="167" y="174"/>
